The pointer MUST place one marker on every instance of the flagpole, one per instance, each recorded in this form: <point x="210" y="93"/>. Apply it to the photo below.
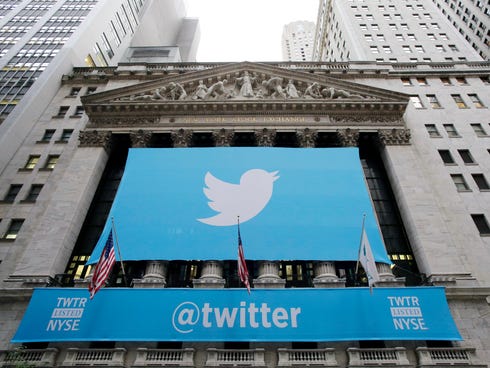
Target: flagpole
<point x="118" y="250"/>
<point x="360" y="244"/>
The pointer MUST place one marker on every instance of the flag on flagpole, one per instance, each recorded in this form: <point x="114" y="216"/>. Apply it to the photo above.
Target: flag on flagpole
<point x="367" y="261"/>
<point x="242" y="265"/>
<point x="103" y="267"/>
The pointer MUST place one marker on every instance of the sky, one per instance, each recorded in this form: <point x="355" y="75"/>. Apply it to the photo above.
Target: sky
<point x="246" y="30"/>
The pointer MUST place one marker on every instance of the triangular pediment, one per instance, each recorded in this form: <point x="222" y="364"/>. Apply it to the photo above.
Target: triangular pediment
<point x="241" y="87"/>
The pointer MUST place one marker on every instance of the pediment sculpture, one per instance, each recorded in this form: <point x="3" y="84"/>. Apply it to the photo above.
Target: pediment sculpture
<point x="246" y="86"/>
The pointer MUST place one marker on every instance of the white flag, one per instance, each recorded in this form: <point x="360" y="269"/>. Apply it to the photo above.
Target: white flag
<point x="366" y="258"/>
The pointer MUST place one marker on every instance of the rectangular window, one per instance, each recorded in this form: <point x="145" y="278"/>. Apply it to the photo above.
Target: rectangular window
<point x="432" y="130"/>
<point x="419" y="48"/>
<point x="79" y="111"/>
<point x="481" y="224"/>
<point x="480" y="181"/>
<point x="33" y="192"/>
<point x="406" y="82"/>
<point x="459" y="101"/>
<point x="13" y="229"/>
<point x="374" y="49"/>
<point x="451" y="130"/>
<point x="461" y="81"/>
<point x="12" y="193"/>
<point x="422" y="81"/>
<point x="434" y="102"/>
<point x="368" y="37"/>
<point x="480" y="132"/>
<point x="65" y="135"/>
<point x="62" y="111"/>
<point x="440" y="48"/>
<point x="446" y="81"/>
<point x="51" y="162"/>
<point x="387" y="49"/>
<point x="417" y="102"/>
<point x="406" y="49"/>
<point x="48" y="134"/>
<point x="74" y="91"/>
<point x="107" y="46"/>
<point x="475" y="100"/>
<point x="446" y="157"/>
<point x="91" y="90"/>
<point x="380" y="37"/>
<point x="466" y="156"/>
<point x="400" y="37"/>
<point x="460" y="183"/>
<point x="32" y="162"/>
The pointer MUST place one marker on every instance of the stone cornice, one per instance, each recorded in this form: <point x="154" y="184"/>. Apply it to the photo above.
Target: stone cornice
<point x="467" y="292"/>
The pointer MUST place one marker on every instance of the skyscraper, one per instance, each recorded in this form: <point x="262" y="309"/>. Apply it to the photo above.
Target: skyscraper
<point x="297" y="41"/>
<point x="387" y="31"/>
<point x="472" y="21"/>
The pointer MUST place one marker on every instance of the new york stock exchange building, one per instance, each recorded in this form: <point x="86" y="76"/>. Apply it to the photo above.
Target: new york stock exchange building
<point x="308" y="161"/>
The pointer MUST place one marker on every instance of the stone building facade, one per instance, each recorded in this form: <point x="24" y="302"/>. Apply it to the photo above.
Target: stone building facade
<point x="416" y="125"/>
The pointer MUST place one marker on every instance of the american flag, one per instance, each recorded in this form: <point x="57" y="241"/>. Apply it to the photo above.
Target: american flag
<point x="103" y="267"/>
<point x="242" y="265"/>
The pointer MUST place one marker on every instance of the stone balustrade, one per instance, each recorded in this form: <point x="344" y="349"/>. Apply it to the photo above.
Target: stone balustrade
<point x="378" y="357"/>
<point x="454" y="357"/>
<point x="28" y="357"/>
<point x="306" y="357"/>
<point x="235" y="357"/>
<point x="164" y="357"/>
<point x="94" y="357"/>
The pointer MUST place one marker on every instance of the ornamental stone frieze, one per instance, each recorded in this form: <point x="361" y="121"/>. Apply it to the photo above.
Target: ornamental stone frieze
<point x="390" y="137"/>
<point x="181" y="138"/>
<point x="348" y="137"/>
<point x="307" y="137"/>
<point x="367" y="120"/>
<point x="243" y="89"/>
<point x="140" y="138"/>
<point x="126" y="122"/>
<point x="223" y="137"/>
<point x="95" y="138"/>
<point x="265" y="137"/>
<point x="246" y="85"/>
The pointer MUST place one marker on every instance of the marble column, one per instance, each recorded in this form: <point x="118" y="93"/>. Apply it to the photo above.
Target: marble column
<point x="154" y="277"/>
<point x="269" y="276"/>
<point x="326" y="277"/>
<point x="211" y="276"/>
<point x="386" y="277"/>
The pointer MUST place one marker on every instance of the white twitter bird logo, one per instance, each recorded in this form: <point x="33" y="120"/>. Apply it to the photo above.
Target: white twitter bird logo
<point x="246" y="199"/>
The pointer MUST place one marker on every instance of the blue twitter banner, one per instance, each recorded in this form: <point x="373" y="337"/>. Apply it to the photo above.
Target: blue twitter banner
<point x="293" y="203"/>
<point x="232" y="315"/>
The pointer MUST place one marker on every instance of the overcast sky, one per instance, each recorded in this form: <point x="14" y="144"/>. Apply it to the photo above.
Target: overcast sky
<point x="251" y="30"/>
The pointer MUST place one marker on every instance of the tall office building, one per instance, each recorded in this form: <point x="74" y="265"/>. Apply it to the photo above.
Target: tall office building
<point x="297" y="41"/>
<point x="396" y="31"/>
<point x="42" y="40"/>
<point x="471" y="19"/>
<point x="163" y="161"/>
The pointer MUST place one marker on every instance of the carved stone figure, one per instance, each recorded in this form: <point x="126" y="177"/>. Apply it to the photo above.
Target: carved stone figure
<point x="158" y="94"/>
<point x="332" y="93"/>
<point x="246" y="85"/>
<point x="291" y="91"/>
<point x="273" y="87"/>
<point x="176" y="91"/>
<point x="200" y="92"/>
<point x="217" y="90"/>
<point x="313" y="91"/>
